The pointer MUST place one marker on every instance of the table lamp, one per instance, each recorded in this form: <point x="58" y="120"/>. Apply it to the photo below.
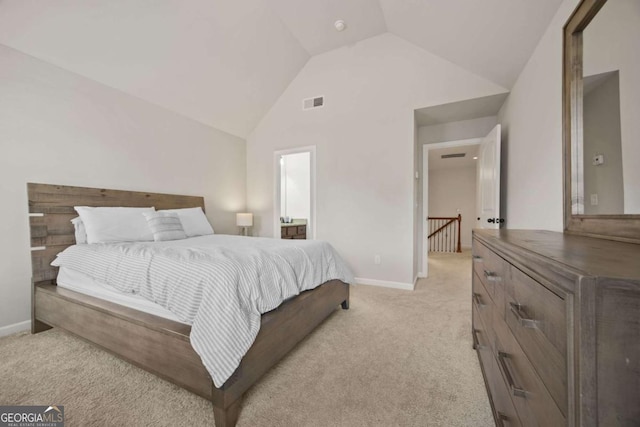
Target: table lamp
<point x="244" y="221"/>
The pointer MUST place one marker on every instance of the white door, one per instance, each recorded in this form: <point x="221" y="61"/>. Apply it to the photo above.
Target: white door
<point x="488" y="182"/>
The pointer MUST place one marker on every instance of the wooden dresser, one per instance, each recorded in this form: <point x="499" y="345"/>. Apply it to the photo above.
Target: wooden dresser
<point x="556" y="323"/>
<point x="293" y="231"/>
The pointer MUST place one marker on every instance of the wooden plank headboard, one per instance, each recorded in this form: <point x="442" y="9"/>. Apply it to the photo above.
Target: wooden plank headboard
<point x="51" y="209"/>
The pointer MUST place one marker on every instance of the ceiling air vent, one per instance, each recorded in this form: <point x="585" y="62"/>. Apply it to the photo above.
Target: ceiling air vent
<point x="309" y="103"/>
<point x="451" y="156"/>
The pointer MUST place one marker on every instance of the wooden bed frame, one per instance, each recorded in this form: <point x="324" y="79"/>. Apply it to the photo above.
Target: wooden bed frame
<point x="153" y="343"/>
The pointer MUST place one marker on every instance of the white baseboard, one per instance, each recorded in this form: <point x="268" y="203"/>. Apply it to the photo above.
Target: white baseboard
<point x="384" y="283"/>
<point x="16" y="327"/>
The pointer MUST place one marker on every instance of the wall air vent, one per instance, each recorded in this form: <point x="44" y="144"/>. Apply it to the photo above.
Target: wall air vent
<point x="316" y="102"/>
<point x="451" y="156"/>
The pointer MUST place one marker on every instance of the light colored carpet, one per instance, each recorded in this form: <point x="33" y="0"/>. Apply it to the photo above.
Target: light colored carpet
<point x="395" y="358"/>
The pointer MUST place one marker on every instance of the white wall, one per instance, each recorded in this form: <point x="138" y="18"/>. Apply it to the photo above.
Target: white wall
<point x="454" y="189"/>
<point x="295" y="193"/>
<point x="57" y="127"/>
<point x="364" y="135"/>
<point x="531" y="121"/>
<point x="455" y="131"/>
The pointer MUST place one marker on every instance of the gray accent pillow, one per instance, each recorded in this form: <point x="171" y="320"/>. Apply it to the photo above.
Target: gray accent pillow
<point x="80" y="231"/>
<point x="165" y="226"/>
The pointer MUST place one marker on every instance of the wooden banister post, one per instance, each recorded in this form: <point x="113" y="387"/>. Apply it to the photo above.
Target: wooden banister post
<point x="459" y="223"/>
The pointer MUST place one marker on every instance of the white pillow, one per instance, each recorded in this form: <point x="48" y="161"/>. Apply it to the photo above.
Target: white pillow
<point x="81" y="233"/>
<point x="193" y="221"/>
<point x="165" y="226"/>
<point x="107" y="224"/>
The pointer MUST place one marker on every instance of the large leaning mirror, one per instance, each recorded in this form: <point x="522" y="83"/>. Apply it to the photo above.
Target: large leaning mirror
<point x="601" y="103"/>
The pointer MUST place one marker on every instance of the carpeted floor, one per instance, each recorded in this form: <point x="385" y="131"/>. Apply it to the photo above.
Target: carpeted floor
<point x="395" y="358"/>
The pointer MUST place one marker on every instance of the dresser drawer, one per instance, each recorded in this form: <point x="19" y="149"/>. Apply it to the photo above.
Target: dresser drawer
<point x="538" y="320"/>
<point x="499" y="300"/>
<point x="481" y="338"/>
<point x="506" y="413"/>
<point x="491" y="270"/>
<point x="483" y="305"/>
<point x="534" y="405"/>
<point x="292" y="230"/>
<point x="482" y="344"/>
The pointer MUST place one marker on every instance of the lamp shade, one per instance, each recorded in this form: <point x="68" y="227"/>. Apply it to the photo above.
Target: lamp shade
<point x="244" y="219"/>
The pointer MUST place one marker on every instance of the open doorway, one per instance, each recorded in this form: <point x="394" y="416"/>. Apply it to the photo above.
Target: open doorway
<point x="294" y="195"/>
<point x="461" y="123"/>
<point x="483" y="212"/>
<point x="449" y="203"/>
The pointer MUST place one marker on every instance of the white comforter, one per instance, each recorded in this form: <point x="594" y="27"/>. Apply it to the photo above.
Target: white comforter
<point x="219" y="284"/>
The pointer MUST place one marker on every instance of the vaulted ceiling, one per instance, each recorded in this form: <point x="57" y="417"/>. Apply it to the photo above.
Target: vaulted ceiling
<point x="224" y="62"/>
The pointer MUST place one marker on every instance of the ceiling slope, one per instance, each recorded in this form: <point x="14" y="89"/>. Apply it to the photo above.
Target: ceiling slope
<point x="223" y="63"/>
<point x="491" y="38"/>
<point x="312" y="21"/>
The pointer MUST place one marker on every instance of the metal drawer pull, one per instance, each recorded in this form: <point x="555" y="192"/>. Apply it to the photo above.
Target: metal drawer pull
<point x="501" y="419"/>
<point x="517" y="309"/>
<point x="491" y="276"/>
<point x="517" y="391"/>
<point x="477" y="258"/>
<point x="478" y="301"/>
<point x="476" y="342"/>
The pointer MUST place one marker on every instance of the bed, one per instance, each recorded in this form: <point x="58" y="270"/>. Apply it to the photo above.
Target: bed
<point x="151" y="341"/>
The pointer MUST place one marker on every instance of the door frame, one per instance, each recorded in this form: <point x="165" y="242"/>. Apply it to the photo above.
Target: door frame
<point x="424" y="252"/>
<point x="311" y="225"/>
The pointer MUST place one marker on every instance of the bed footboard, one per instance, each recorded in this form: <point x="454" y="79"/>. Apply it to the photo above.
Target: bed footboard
<point x="158" y="345"/>
<point x="162" y="346"/>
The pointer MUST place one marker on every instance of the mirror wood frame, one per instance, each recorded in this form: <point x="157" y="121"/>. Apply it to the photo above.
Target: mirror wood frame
<point x="614" y="227"/>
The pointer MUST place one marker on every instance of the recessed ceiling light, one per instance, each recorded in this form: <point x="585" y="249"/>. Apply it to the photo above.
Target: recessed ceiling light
<point x="475" y="158"/>
<point x="340" y="25"/>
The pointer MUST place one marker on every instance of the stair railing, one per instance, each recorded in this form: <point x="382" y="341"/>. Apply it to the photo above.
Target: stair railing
<point x="444" y="234"/>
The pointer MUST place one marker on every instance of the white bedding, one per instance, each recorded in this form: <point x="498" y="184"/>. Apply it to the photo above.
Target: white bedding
<point x="219" y="284"/>
<point x="79" y="282"/>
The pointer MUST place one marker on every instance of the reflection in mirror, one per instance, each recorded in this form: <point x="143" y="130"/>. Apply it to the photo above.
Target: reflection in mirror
<point x="602" y="145"/>
<point x="606" y="157"/>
